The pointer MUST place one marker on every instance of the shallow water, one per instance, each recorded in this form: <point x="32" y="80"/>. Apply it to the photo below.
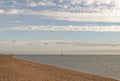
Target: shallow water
<point x="103" y="65"/>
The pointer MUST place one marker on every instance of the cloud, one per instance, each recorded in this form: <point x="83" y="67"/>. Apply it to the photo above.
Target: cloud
<point x="69" y="16"/>
<point x="107" y="16"/>
<point x="12" y="11"/>
<point x="55" y="47"/>
<point x="69" y="10"/>
<point x="64" y="5"/>
<point x="88" y="5"/>
<point x="40" y="3"/>
<point x="56" y="42"/>
<point x="1" y="11"/>
<point x="64" y="28"/>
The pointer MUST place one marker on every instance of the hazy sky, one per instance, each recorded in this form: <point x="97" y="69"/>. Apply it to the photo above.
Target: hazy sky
<point x="52" y="26"/>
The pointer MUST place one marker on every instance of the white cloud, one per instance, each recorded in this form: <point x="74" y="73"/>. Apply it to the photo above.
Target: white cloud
<point x="32" y="4"/>
<point x="40" y="3"/>
<point x="117" y="5"/>
<point x="74" y="5"/>
<point x="15" y="11"/>
<point x="46" y="3"/>
<point x="87" y="10"/>
<point x="64" y="28"/>
<point x="109" y="16"/>
<point x="86" y="5"/>
<point x="1" y="11"/>
<point x="12" y="11"/>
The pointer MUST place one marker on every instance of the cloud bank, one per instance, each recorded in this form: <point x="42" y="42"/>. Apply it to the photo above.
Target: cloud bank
<point x="64" y="28"/>
<point x="56" y="46"/>
<point x="108" y="16"/>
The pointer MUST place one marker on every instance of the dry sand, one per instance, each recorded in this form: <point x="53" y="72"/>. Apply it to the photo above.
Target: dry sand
<point x="12" y="69"/>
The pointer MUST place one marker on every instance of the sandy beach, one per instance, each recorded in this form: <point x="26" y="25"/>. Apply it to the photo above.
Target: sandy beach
<point x="12" y="69"/>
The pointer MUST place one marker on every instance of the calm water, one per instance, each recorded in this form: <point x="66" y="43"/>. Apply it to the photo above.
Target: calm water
<point x="108" y="66"/>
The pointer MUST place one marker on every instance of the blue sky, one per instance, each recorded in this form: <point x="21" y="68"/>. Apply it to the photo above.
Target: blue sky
<point x="81" y="21"/>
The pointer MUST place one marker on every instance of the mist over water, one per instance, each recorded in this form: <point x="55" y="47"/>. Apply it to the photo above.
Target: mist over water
<point x="103" y="65"/>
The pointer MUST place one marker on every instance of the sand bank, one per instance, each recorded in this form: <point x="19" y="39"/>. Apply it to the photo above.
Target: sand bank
<point x="12" y="69"/>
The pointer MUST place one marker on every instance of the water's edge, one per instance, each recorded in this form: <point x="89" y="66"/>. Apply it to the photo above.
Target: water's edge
<point x="101" y="65"/>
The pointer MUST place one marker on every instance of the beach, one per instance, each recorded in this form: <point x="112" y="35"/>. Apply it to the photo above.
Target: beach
<point x="12" y="69"/>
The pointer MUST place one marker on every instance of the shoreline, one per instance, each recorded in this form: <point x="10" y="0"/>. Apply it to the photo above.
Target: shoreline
<point x="12" y="69"/>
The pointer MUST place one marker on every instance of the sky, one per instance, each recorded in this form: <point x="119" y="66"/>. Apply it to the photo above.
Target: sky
<point x="55" y="26"/>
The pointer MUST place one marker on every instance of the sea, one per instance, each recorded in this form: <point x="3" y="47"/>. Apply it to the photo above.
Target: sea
<point x="102" y="65"/>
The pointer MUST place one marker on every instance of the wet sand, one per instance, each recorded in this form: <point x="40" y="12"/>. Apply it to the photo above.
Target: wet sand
<point x="12" y="69"/>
